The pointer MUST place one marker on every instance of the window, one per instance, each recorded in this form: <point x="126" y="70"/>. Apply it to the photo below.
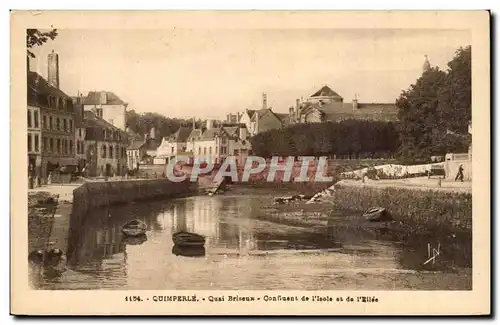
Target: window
<point x="172" y="149"/>
<point x="58" y="145"/>
<point x="80" y="133"/>
<point x="65" y="126"/>
<point x="103" y="151"/>
<point x="70" y="125"/>
<point x="37" y="143"/>
<point x="29" y="143"/>
<point x="104" y="134"/>
<point x="205" y="150"/>
<point x="199" y="151"/>
<point x="64" y="146"/>
<point x="78" y="147"/>
<point x="58" y="124"/>
<point x="29" y="119"/>
<point x="51" y="125"/>
<point x="44" y="122"/>
<point x="69" y="105"/>
<point x="51" y="145"/>
<point x="44" y="144"/>
<point x="35" y="114"/>
<point x="70" y="147"/>
<point x="111" y="152"/>
<point x="210" y="151"/>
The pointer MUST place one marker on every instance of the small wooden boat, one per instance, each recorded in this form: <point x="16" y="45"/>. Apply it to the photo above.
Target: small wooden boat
<point x="377" y="214"/>
<point x="135" y="240"/>
<point x="134" y="228"/>
<point x="184" y="238"/>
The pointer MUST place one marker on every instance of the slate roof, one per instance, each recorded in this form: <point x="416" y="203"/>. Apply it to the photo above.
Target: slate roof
<point x="92" y="120"/>
<point x="261" y="112"/>
<point x="181" y="135"/>
<point x="194" y="135"/>
<point x="326" y="92"/>
<point x="136" y="144"/>
<point x="37" y="85"/>
<point x="209" y="134"/>
<point x="284" y="117"/>
<point x="366" y="111"/>
<point x="94" y="98"/>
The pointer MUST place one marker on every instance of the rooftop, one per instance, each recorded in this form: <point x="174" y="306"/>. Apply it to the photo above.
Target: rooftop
<point x="37" y="85"/>
<point x="325" y="91"/>
<point x="94" y="98"/>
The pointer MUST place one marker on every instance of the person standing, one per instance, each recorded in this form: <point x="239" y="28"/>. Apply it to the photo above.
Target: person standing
<point x="460" y="174"/>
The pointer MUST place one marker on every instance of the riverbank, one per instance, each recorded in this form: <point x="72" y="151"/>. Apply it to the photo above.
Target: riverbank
<point x="422" y="206"/>
<point x="50" y="207"/>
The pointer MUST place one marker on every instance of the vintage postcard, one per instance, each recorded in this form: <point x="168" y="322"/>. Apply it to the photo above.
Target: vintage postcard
<point x="250" y="163"/>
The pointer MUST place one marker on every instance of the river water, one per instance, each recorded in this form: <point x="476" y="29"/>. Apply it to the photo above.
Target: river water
<point x="250" y="245"/>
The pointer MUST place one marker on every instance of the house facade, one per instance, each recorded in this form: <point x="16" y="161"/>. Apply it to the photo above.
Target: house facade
<point x="142" y="151"/>
<point x="215" y="144"/>
<point x="108" y="106"/>
<point x="172" y="146"/>
<point x="51" y="123"/>
<point x="257" y="121"/>
<point x="105" y="147"/>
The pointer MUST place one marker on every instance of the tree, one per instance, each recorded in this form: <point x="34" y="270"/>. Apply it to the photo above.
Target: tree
<point x="455" y="95"/>
<point x="35" y="37"/>
<point x="419" y="116"/>
<point x="435" y="112"/>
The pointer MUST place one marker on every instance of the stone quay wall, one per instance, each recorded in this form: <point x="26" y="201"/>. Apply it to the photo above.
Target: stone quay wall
<point x="448" y="209"/>
<point x="97" y="194"/>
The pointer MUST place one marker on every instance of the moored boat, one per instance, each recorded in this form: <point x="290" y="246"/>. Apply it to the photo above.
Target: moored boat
<point x="134" y="228"/>
<point x="135" y="240"/>
<point x="377" y="214"/>
<point x="184" y="238"/>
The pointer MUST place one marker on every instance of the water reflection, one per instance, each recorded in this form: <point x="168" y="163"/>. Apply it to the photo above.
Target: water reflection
<point x="188" y="251"/>
<point x="244" y="249"/>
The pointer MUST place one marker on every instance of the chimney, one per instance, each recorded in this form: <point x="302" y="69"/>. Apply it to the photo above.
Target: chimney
<point x="152" y="133"/>
<point x="53" y="69"/>
<point x="209" y="124"/>
<point x="297" y="108"/>
<point x="355" y="102"/>
<point x="104" y="98"/>
<point x="264" y="100"/>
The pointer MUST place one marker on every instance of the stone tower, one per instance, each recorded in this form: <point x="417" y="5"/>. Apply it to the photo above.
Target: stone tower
<point x="53" y="69"/>
<point x="426" y="65"/>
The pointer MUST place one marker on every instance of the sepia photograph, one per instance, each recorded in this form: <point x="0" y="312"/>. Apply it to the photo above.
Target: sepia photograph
<point x="250" y="162"/>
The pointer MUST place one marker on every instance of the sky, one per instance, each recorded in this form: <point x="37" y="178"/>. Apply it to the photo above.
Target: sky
<point x="209" y="73"/>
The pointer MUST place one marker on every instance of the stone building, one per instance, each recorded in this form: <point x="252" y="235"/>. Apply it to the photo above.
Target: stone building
<point x="105" y="146"/>
<point x="108" y="106"/>
<point x="326" y="105"/>
<point x="51" y="122"/>
<point x="215" y="144"/>
<point x="257" y="121"/>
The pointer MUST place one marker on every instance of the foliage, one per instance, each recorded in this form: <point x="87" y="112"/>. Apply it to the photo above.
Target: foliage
<point x="35" y="37"/>
<point x="435" y="111"/>
<point x="349" y="137"/>
<point x="455" y="95"/>
<point x="141" y="123"/>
